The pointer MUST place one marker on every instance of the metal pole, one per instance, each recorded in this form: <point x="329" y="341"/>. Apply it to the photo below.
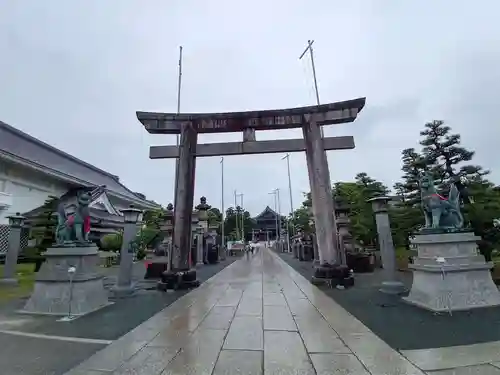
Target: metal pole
<point x="236" y="213"/>
<point x="222" y="201"/>
<point x="178" y="135"/>
<point x="279" y="210"/>
<point x="275" y="210"/>
<point x="242" y="219"/>
<point x="287" y="157"/>
<point x="311" y="53"/>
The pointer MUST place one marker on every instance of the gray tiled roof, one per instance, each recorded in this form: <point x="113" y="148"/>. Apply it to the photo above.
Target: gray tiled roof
<point x="32" y="150"/>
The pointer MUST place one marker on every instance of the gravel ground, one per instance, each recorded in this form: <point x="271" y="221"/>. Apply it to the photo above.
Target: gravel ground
<point x="403" y="326"/>
<point x="121" y="317"/>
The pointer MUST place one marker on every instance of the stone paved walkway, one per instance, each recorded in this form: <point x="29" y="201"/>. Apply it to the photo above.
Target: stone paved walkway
<point x="258" y="316"/>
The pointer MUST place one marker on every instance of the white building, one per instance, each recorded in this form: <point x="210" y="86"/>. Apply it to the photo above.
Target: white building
<point x="31" y="171"/>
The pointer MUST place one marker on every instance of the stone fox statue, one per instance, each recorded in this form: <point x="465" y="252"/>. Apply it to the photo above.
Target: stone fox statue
<point x="440" y="212"/>
<point x="74" y="227"/>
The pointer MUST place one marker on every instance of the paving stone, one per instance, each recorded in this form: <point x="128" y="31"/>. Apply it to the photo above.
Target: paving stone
<point x="284" y="353"/>
<point x="469" y="370"/>
<point x="239" y="362"/>
<point x="337" y="364"/>
<point x="245" y="333"/>
<point x="278" y="318"/>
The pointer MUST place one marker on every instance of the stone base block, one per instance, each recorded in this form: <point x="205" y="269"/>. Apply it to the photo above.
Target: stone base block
<point x="54" y="298"/>
<point x="453" y="291"/>
<point x="175" y="280"/>
<point x="53" y="291"/>
<point x="332" y="283"/>
<point x="156" y="267"/>
<point x="332" y="275"/>
<point x="123" y="291"/>
<point x="393" y="287"/>
<point x="450" y="275"/>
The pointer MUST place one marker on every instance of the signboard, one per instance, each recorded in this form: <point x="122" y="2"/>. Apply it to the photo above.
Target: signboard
<point x="332" y="113"/>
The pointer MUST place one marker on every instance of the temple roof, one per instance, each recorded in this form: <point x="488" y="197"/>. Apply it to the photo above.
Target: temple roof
<point x="22" y="148"/>
<point x="268" y="211"/>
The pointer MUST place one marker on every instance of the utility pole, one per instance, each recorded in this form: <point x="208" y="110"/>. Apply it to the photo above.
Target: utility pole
<point x="287" y="157"/>
<point x="242" y="219"/>
<point x="236" y="213"/>
<point x="222" y="201"/>
<point x="274" y="192"/>
<point x="239" y="223"/>
<point x="311" y="53"/>
<point x="279" y="210"/>
<point x="177" y="140"/>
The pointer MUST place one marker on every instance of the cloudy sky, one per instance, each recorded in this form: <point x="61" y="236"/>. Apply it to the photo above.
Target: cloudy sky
<point x="73" y="73"/>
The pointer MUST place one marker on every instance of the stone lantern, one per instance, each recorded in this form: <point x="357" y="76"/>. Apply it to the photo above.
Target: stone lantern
<point x="16" y="224"/>
<point x="391" y="285"/>
<point x="163" y="262"/>
<point x="202" y="210"/>
<point x="124" y="286"/>
<point x="200" y="251"/>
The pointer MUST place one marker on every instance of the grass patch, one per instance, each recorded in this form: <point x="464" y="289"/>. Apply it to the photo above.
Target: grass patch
<point x="402" y="253"/>
<point x="26" y="276"/>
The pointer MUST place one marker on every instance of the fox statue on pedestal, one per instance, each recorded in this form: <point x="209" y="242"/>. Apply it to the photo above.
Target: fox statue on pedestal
<point x="74" y="228"/>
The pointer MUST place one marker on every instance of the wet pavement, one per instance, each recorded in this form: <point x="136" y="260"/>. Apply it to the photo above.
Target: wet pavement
<point x="259" y="316"/>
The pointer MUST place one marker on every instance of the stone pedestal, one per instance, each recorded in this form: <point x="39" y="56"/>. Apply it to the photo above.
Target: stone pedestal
<point x="449" y="274"/>
<point x="155" y="267"/>
<point x="52" y="292"/>
<point x="200" y="259"/>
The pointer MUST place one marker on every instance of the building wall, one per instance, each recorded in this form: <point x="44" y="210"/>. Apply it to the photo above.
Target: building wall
<point x="28" y="188"/>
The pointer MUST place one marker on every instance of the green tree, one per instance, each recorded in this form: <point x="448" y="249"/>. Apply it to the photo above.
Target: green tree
<point x="413" y="165"/>
<point x="355" y="195"/>
<point x="214" y="215"/>
<point x="43" y="226"/>
<point x="482" y="215"/>
<point x="153" y="218"/>
<point x="446" y="157"/>
<point x="406" y="215"/>
<point x="150" y="234"/>
<point x="230" y="224"/>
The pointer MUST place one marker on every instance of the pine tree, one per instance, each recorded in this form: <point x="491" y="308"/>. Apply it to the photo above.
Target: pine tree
<point x="413" y="166"/>
<point x="445" y="157"/>
<point x="44" y="225"/>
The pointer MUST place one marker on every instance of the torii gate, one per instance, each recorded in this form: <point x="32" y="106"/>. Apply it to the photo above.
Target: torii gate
<point x="189" y="125"/>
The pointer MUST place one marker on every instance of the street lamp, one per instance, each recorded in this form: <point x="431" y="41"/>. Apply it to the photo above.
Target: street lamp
<point x="16" y="221"/>
<point x="9" y="274"/>
<point x="200" y="253"/>
<point x="132" y="215"/>
<point x="391" y="284"/>
<point x="124" y="286"/>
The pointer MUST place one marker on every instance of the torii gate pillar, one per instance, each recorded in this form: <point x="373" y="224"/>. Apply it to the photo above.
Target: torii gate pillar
<point x="321" y="193"/>
<point x="184" y="198"/>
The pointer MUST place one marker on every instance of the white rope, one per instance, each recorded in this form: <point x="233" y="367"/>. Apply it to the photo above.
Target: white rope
<point x="442" y="262"/>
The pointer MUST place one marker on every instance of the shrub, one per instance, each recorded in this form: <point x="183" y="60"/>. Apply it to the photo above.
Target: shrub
<point x="112" y="242"/>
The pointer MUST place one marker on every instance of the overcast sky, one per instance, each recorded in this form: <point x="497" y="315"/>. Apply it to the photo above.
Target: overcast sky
<point x="73" y="73"/>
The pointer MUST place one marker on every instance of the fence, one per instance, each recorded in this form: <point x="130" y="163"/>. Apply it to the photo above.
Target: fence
<point x="4" y="238"/>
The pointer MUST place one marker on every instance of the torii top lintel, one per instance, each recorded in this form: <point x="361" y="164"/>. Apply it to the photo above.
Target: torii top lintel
<point x="325" y="114"/>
